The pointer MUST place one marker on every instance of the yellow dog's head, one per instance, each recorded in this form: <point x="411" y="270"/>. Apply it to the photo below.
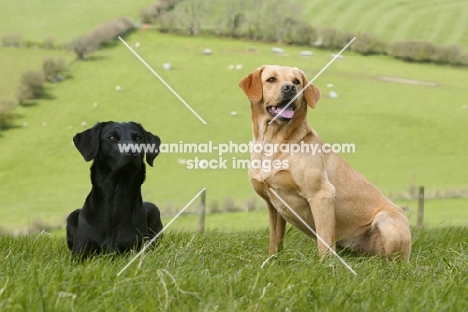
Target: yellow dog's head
<point x="271" y="88"/>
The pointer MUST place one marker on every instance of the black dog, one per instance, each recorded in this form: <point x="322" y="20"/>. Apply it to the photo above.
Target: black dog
<point x="114" y="217"/>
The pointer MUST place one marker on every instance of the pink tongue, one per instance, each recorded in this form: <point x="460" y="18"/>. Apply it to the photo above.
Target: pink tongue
<point x="287" y="113"/>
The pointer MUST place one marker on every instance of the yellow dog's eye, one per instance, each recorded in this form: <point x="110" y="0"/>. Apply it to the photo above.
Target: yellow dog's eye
<point x="296" y="82"/>
<point x="271" y="79"/>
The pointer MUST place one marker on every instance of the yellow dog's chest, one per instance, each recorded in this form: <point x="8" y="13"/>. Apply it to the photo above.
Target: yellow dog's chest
<point x="284" y="194"/>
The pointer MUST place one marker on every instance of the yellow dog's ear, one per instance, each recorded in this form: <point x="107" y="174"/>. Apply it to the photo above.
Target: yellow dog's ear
<point x="252" y="85"/>
<point x="311" y="93"/>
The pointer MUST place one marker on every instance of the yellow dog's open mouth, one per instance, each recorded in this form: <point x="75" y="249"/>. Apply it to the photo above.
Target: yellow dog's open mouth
<point x="286" y="114"/>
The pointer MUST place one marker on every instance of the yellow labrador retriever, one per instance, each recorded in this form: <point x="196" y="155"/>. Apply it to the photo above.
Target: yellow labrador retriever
<point x="342" y="207"/>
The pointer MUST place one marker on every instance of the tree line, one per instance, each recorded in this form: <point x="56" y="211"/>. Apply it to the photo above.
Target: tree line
<point x="283" y="21"/>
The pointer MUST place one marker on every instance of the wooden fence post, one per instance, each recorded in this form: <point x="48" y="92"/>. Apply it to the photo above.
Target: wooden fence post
<point x="420" y="207"/>
<point x="201" y="225"/>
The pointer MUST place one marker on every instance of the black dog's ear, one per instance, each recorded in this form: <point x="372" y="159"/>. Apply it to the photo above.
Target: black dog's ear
<point x="87" y="142"/>
<point x="150" y="139"/>
<point x="155" y="141"/>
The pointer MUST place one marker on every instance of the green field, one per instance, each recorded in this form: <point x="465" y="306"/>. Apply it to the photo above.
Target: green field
<point x="438" y="21"/>
<point x="404" y="134"/>
<point x="231" y="272"/>
<point x="437" y="213"/>
<point x="62" y="19"/>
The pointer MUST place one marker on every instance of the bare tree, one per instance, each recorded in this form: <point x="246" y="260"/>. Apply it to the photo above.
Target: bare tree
<point x="52" y="68"/>
<point x="83" y="46"/>
<point x="253" y="18"/>
<point x="191" y="14"/>
<point x="235" y="17"/>
<point x="280" y="17"/>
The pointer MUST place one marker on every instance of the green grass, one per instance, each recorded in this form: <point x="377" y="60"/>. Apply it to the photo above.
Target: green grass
<point x="403" y="134"/>
<point x="438" y="21"/>
<point x="226" y="221"/>
<point x="64" y="20"/>
<point x="14" y="62"/>
<point x="437" y="212"/>
<point x="223" y="272"/>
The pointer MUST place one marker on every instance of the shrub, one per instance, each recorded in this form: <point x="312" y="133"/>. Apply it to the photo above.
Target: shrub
<point x="168" y="22"/>
<point x="83" y="46"/>
<point x="149" y="14"/>
<point x="52" y="68"/>
<point x="103" y="34"/>
<point x="448" y="54"/>
<point x="300" y="33"/>
<point x="106" y="33"/>
<point x="213" y="207"/>
<point x="412" y="51"/>
<point x="343" y="38"/>
<point x="6" y="114"/>
<point x="415" y="51"/>
<point x="152" y="13"/>
<point x="12" y="40"/>
<point x="126" y="23"/>
<point x="31" y="87"/>
<point x="23" y="93"/>
<point x="327" y="36"/>
<point x="229" y="205"/>
<point x="48" y="43"/>
<point x="463" y="59"/>
<point x="366" y="44"/>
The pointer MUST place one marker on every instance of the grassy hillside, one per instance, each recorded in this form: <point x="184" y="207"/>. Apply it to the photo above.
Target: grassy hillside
<point x="230" y="272"/>
<point x="438" y="21"/>
<point x="63" y="20"/>
<point x="404" y="134"/>
<point x="13" y="62"/>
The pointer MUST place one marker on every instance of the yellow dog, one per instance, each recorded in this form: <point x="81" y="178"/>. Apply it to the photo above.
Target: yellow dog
<point x="342" y="207"/>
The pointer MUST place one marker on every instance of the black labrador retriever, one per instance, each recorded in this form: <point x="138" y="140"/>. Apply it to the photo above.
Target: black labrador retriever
<point x="114" y="217"/>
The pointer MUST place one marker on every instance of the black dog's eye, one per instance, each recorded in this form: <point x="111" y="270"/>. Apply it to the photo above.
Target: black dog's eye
<point x="296" y="82"/>
<point x="138" y="138"/>
<point x="113" y="138"/>
<point x="271" y="79"/>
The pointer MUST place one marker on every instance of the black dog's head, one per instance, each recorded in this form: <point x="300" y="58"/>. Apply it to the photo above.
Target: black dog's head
<point x="118" y="144"/>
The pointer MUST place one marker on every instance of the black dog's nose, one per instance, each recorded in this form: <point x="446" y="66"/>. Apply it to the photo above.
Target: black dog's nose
<point x="289" y="89"/>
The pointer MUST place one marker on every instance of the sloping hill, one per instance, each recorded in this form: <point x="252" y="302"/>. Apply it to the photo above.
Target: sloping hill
<point x="62" y="19"/>
<point x="438" y="21"/>
<point x="404" y="134"/>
